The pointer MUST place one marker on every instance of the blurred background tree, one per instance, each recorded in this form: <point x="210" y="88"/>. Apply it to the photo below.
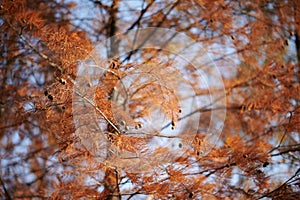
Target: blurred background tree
<point x="257" y="154"/>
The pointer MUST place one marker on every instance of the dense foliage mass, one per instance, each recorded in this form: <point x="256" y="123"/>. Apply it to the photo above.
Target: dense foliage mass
<point x="48" y="145"/>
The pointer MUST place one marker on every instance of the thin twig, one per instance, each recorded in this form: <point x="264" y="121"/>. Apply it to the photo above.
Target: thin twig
<point x="281" y="186"/>
<point x="7" y="195"/>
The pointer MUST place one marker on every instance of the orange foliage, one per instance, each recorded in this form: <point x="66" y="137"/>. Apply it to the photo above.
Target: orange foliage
<point x="47" y="154"/>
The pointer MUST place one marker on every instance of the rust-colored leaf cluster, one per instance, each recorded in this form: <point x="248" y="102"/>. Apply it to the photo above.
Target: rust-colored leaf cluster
<point x="142" y="140"/>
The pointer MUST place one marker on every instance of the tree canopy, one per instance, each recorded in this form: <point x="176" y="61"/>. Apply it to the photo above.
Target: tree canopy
<point x="150" y="99"/>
